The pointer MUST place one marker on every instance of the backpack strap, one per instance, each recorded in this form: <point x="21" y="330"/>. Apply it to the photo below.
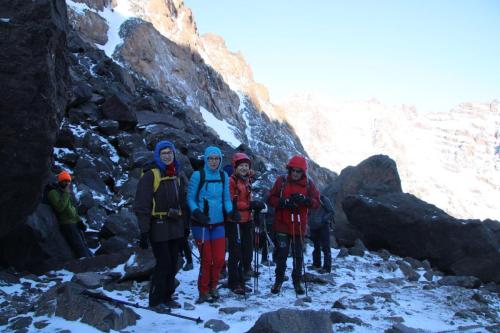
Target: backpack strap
<point x="205" y="182"/>
<point x="157" y="179"/>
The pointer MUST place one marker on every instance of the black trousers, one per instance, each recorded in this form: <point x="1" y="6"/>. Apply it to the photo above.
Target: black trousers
<point x="74" y="237"/>
<point x="163" y="280"/>
<point x="283" y="243"/>
<point x="240" y="251"/>
<point x="185" y="248"/>
<point x="321" y="240"/>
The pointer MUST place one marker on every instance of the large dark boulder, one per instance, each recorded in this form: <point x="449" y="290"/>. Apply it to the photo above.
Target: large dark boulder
<point x="290" y="321"/>
<point x="34" y="79"/>
<point x="374" y="176"/>
<point x="70" y="302"/>
<point x="408" y="226"/>
<point x="36" y="245"/>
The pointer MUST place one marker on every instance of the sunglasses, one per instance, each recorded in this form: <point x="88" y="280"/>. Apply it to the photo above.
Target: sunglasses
<point x="296" y="170"/>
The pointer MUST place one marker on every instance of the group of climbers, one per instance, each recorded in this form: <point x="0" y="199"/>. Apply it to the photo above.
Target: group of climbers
<point x="216" y="206"/>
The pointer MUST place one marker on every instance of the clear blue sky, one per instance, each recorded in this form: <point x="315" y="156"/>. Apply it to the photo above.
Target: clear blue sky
<point x="427" y="52"/>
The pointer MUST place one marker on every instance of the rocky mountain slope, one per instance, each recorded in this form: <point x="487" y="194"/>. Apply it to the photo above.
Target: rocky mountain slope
<point x="451" y="158"/>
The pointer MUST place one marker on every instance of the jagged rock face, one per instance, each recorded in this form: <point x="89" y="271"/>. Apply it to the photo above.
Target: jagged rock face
<point x="34" y="79"/>
<point x="449" y="158"/>
<point x="374" y="176"/>
<point x="407" y="226"/>
<point x="175" y="69"/>
<point x="92" y="27"/>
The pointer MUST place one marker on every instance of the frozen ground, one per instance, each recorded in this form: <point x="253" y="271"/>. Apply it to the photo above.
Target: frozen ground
<point x="369" y="288"/>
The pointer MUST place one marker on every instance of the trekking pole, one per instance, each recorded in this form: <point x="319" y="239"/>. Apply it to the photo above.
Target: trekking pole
<point x="293" y="247"/>
<point x="267" y="242"/>
<point x="302" y="246"/>
<point x="103" y="297"/>
<point x="256" y="252"/>
<point x="240" y="261"/>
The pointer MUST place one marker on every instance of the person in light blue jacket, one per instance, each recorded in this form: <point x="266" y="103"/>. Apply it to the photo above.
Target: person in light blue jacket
<point x="209" y="200"/>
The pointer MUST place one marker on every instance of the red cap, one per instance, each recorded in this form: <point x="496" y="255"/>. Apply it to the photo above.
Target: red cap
<point x="63" y="176"/>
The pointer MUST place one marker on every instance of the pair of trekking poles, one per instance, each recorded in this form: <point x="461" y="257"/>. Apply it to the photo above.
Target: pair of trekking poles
<point x="303" y="268"/>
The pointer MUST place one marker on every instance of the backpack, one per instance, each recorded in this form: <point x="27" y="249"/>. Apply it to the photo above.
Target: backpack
<point x="157" y="178"/>
<point x="45" y="195"/>
<point x="203" y="181"/>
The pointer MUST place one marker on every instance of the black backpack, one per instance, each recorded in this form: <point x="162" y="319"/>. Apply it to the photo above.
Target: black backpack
<point x="45" y="195"/>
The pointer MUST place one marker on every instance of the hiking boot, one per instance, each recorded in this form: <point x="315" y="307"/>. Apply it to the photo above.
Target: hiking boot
<point x="276" y="287"/>
<point x="161" y="308"/>
<point x="214" y="293"/>
<point x="324" y="271"/>
<point x="297" y="285"/>
<point x="188" y="266"/>
<point x="204" y="297"/>
<point x="173" y="304"/>
<point x="267" y="263"/>
<point x="314" y="267"/>
<point x="238" y="290"/>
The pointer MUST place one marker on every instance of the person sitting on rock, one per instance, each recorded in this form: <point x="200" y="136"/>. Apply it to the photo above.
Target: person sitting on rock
<point x="319" y="226"/>
<point x="292" y="196"/>
<point x="70" y="224"/>
<point x="209" y="201"/>
<point x="160" y="207"/>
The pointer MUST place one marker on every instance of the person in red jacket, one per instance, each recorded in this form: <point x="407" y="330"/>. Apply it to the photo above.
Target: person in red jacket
<point x="239" y="229"/>
<point x="292" y="196"/>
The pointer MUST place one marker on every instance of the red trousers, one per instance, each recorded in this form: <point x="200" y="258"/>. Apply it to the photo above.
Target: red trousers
<point x="212" y="260"/>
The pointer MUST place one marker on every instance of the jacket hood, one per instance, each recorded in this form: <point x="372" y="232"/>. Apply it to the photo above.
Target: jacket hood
<point x="212" y="150"/>
<point x="241" y="158"/>
<point x="159" y="147"/>
<point x="298" y="162"/>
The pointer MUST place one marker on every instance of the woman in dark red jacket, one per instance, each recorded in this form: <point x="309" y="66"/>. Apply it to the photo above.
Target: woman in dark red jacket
<point x="292" y="196"/>
<point x="239" y="229"/>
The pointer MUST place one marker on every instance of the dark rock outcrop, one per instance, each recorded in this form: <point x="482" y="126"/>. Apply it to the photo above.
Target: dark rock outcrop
<point x="407" y="226"/>
<point x="374" y="176"/>
<point x="68" y="301"/>
<point x="291" y="321"/>
<point x="36" y="245"/>
<point x="34" y="79"/>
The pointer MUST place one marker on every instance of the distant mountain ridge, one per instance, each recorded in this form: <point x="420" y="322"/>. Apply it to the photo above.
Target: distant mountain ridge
<point x="449" y="158"/>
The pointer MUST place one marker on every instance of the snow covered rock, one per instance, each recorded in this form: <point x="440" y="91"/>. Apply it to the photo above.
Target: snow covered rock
<point x="293" y="321"/>
<point x="68" y="301"/>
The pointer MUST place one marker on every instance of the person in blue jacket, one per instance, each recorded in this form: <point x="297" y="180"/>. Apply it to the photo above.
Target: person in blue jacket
<point x="209" y="200"/>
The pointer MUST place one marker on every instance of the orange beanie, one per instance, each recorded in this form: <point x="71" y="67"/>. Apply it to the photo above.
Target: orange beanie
<point x="63" y="176"/>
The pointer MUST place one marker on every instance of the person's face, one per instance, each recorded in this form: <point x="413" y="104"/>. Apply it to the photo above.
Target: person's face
<point x="167" y="156"/>
<point x="213" y="161"/>
<point x="296" y="173"/>
<point x="64" y="184"/>
<point x="242" y="169"/>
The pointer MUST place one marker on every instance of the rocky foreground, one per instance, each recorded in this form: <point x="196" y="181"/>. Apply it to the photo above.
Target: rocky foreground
<point x="366" y="292"/>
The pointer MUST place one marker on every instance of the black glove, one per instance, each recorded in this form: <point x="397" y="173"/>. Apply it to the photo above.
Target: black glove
<point x="300" y="199"/>
<point x="200" y="217"/>
<point x="144" y="241"/>
<point x="81" y="226"/>
<point x="257" y="205"/>
<point x="286" y="203"/>
<point x="235" y="215"/>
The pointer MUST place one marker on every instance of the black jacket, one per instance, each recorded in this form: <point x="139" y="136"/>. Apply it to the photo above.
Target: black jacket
<point x="323" y="215"/>
<point x="170" y="195"/>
